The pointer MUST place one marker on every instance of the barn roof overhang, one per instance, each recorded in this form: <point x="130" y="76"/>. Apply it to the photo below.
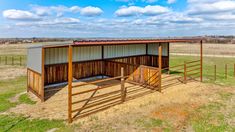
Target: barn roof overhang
<point x="122" y="42"/>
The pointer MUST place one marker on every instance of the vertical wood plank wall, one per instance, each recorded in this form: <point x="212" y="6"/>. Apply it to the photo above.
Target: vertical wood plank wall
<point x="111" y="67"/>
<point x="34" y="83"/>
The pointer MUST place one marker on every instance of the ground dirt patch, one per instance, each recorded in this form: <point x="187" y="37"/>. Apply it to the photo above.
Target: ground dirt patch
<point x="173" y="106"/>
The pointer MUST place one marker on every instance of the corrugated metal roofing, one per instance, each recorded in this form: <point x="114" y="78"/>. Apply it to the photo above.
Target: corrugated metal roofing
<point x="123" y="41"/>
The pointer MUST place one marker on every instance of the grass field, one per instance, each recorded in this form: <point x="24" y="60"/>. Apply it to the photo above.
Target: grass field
<point x="198" y="107"/>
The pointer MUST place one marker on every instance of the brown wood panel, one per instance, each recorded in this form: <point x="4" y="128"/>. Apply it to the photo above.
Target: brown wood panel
<point x="34" y="82"/>
<point x="59" y="73"/>
<point x="110" y="67"/>
<point x="87" y="69"/>
<point x="148" y="76"/>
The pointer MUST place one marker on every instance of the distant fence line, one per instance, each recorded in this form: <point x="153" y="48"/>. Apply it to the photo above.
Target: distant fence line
<point x="227" y="71"/>
<point x="13" y="60"/>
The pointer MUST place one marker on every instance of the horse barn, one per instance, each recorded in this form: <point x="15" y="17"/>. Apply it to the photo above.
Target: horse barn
<point x="102" y="64"/>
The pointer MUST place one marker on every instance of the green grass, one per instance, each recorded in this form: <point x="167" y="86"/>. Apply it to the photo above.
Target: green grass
<point x="16" y="123"/>
<point x="8" y="89"/>
<point x="211" y="117"/>
<point x="208" y="68"/>
<point x="24" y="98"/>
<point x="225" y="95"/>
<point x="151" y="123"/>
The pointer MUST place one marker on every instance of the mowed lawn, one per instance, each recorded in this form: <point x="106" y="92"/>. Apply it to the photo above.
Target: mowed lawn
<point x="218" y="115"/>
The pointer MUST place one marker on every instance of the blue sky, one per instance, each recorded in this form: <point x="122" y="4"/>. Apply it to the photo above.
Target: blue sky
<point x="116" y="18"/>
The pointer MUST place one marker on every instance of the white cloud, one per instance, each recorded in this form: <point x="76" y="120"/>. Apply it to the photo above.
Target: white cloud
<point x="147" y="10"/>
<point x="20" y="15"/>
<point x="199" y="17"/>
<point x="150" y="1"/>
<point x="54" y="22"/>
<point x="60" y="10"/>
<point x="171" y="1"/>
<point x="91" y="11"/>
<point x="75" y="9"/>
<point x="197" y="8"/>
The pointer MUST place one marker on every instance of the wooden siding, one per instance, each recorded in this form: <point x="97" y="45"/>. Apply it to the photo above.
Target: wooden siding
<point x="59" y="73"/>
<point x="146" y="75"/>
<point x="87" y="69"/>
<point x="34" y="82"/>
<point x="154" y="61"/>
<point x="56" y="74"/>
<point x="110" y="67"/>
<point x="113" y="68"/>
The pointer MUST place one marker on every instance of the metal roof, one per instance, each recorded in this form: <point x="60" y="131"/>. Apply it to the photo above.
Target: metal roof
<point x="122" y="42"/>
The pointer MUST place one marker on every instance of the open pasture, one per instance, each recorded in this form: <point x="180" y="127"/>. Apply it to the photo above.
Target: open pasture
<point x="152" y="112"/>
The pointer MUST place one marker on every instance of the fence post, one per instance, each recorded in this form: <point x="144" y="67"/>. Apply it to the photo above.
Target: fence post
<point x="215" y="73"/>
<point x="185" y="73"/>
<point x="20" y="61"/>
<point x="70" y="81"/>
<point x="12" y="61"/>
<point x="5" y="60"/>
<point x="226" y="71"/>
<point x="160" y="66"/>
<point x="123" y="90"/>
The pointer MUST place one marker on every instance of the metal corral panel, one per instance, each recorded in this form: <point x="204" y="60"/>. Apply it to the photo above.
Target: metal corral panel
<point x="87" y="53"/>
<point x="153" y="49"/>
<point x="34" y="59"/>
<point x="56" y="55"/>
<point x="124" y="50"/>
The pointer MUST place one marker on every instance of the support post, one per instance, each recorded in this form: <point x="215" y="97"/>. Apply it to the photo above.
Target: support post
<point x="123" y="90"/>
<point x="185" y="72"/>
<point x="103" y="61"/>
<point x="42" y="76"/>
<point x="70" y="79"/>
<point x="201" y="61"/>
<point x="215" y="73"/>
<point x="27" y="80"/>
<point x="160" y="66"/>
<point x="168" y="54"/>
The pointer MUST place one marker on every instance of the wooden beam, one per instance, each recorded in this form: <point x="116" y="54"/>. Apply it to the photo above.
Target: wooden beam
<point x="43" y="75"/>
<point x="168" y="54"/>
<point x="103" y="62"/>
<point x="123" y="91"/>
<point x="160" y="65"/>
<point x="70" y="79"/>
<point x="201" y="61"/>
<point x="27" y="80"/>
